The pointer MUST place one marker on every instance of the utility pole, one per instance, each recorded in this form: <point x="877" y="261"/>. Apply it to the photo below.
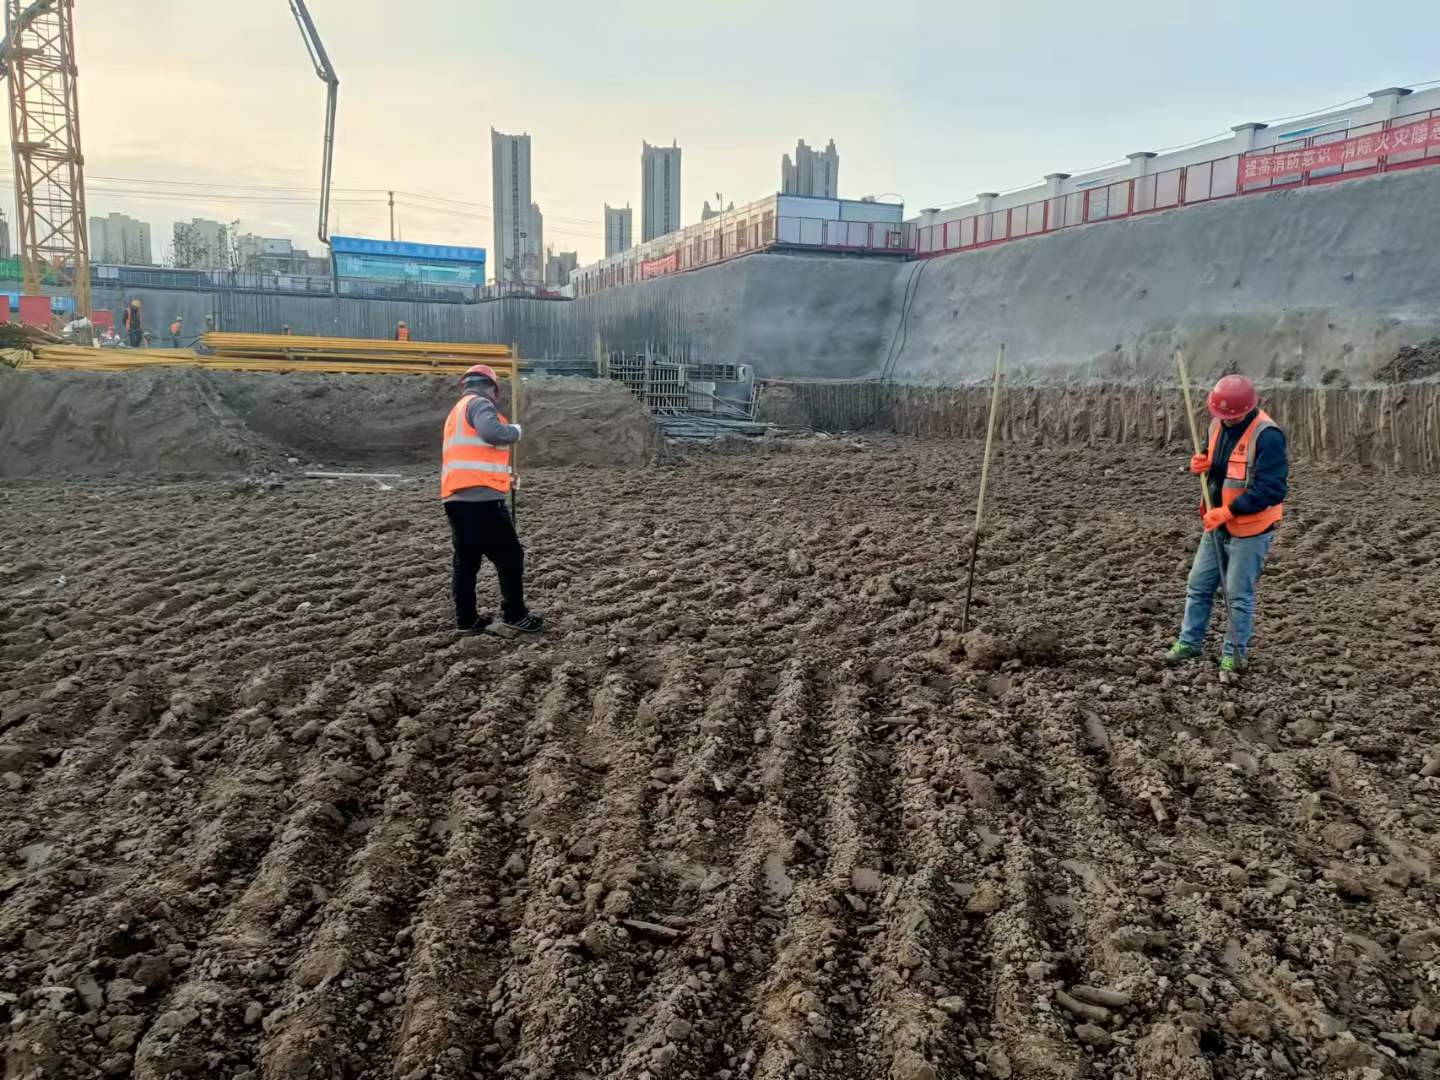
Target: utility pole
<point x="392" y="217"/>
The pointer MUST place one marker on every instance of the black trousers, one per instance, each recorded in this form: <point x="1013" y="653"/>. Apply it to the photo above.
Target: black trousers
<point x="481" y="530"/>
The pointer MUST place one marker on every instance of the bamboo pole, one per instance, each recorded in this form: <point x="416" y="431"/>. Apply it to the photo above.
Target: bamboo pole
<point x="984" y="483"/>
<point x="1204" y="486"/>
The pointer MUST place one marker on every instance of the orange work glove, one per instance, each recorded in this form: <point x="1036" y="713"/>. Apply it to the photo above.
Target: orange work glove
<point x="1221" y="515"/>
<point x="1200" y="464"/>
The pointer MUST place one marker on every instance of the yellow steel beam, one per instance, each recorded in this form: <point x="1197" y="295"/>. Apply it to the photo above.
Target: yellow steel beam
<point x="290" y="344"/>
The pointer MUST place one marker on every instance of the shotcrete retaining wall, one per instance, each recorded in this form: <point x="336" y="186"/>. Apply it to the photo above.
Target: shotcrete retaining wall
<point x="1297" y="282"/>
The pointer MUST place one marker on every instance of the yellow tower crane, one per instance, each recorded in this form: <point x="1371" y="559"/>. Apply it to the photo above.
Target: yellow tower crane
<point x="39" y="60"/>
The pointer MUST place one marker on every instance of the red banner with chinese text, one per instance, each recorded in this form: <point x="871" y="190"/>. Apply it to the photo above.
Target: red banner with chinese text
<point x="666" y="264"/>
<point x="1265" y="165"/>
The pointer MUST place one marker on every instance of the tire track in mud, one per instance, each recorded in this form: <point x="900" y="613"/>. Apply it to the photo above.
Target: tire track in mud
<point x="457" y="945"/>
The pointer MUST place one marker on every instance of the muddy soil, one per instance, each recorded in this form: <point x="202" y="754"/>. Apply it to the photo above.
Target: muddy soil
<point x="750" y="811"/>
<point x="1412" y="362"/>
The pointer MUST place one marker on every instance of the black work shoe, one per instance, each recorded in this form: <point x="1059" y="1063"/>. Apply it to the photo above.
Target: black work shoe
<point x="530" y="624"/>
<point x="478" y="626"/>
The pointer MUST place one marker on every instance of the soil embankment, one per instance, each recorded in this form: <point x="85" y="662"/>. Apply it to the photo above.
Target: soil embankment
<point x="191" y="420"/>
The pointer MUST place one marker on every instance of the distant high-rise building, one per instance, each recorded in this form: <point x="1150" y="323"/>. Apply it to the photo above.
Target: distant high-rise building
<point x="558" y="268"/>
<point x="5" y="237"/>
<point x="274" y="255"/>
<point x="619" y="229"/>
<point x="519" y="226"/>
<point x="660" y="190"/>
<point x="533" y="261"/>
<point x="811" y="173"/>
<point x="201" y="244"/>
<point x="118" y="238"/>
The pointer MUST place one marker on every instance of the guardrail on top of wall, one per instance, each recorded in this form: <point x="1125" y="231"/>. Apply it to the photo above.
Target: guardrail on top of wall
<point x="1359" y="151"/>
<point x="750" y="234"/>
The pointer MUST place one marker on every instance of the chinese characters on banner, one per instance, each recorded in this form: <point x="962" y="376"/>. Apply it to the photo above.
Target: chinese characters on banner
<point x="666" y="264"/>
<point x="1266" y="165"/>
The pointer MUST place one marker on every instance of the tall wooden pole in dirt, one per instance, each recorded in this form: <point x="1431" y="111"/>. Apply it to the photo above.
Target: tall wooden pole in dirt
<point x="514" y="419"/>
<point x="984" y="482"/>
<point x="1204" y="483"/>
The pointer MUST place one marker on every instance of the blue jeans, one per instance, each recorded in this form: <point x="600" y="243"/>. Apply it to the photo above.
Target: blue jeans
<point x="1241" y="559"/>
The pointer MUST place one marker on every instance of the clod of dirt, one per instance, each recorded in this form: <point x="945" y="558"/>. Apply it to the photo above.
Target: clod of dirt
<point x="1343" y="835"/>
<point x="1171" y="1052"/>
<point x="1033" y="647"/>
<point x="1248" y="1018"/>
<point x="1412" y="362"/>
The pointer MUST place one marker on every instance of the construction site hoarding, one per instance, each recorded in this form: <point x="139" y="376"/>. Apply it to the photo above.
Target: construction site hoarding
<point x="1361" y="151"/>
<point x="666" y="264"/>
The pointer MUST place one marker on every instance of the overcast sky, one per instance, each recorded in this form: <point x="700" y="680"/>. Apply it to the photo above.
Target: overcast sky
<point x="932" y="101"/>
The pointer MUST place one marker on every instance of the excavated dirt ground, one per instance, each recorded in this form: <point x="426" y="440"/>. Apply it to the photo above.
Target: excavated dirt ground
<point x="749" y="812"/>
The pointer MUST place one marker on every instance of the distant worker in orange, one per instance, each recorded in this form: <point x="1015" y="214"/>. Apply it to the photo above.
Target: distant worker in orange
<point x="177" y="328"/>
<point x="134" y="325"/>
<point x="475" y="478"/>
<point x="402" y="332"/>
<point x="1248" y="471"/>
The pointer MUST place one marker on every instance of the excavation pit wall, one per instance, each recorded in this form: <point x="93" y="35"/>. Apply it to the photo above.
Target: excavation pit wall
<point x="1394" y="427"/>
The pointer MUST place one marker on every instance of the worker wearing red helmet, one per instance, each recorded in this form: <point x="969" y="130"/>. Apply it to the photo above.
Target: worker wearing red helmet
<point x="475" y="479"/>
<point x="1247" y="470"/>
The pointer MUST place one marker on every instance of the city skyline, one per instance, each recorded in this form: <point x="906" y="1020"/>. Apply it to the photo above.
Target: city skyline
<point x="936" y="121"/>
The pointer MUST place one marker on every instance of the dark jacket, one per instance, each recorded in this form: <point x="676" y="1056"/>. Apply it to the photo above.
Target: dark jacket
<point x="1270" y="478"/>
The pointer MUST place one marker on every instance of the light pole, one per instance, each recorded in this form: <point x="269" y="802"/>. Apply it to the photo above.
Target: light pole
<point x="720" y="204"/>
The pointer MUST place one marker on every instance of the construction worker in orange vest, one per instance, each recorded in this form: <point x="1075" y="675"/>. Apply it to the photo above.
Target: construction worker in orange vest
<point x="402" y="332"/>
<point x="475" y="478"/>
<point x="1247" y="469"/>
<point x="177" y="327"/>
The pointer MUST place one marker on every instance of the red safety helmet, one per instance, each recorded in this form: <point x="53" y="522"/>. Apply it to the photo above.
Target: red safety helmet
<point x="483" y="371"/>
<point x="1232" y="398"/>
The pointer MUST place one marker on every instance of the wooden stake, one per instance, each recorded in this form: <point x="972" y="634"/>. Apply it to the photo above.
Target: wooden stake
<point x="984" y="482"/>
<point x="514" y="419"/>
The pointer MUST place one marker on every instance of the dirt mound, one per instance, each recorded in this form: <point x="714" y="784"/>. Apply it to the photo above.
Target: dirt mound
<point x="1412" y="362"/>
<point x="196" y="421"/>
<point x="988" y="651"/>
<point x="748" y="812"/>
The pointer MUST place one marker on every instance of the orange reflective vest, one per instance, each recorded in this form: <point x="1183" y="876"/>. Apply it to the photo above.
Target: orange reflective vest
<point x="1237" y="477"/>
<point x="402" y="333"/>
<point x="174" y="329"/>
<point x="467" y="460"/>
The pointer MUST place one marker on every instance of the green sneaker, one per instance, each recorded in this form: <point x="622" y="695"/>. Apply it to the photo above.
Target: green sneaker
<point x="1231" y="665"/>
<point x="1179" y="653"/>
